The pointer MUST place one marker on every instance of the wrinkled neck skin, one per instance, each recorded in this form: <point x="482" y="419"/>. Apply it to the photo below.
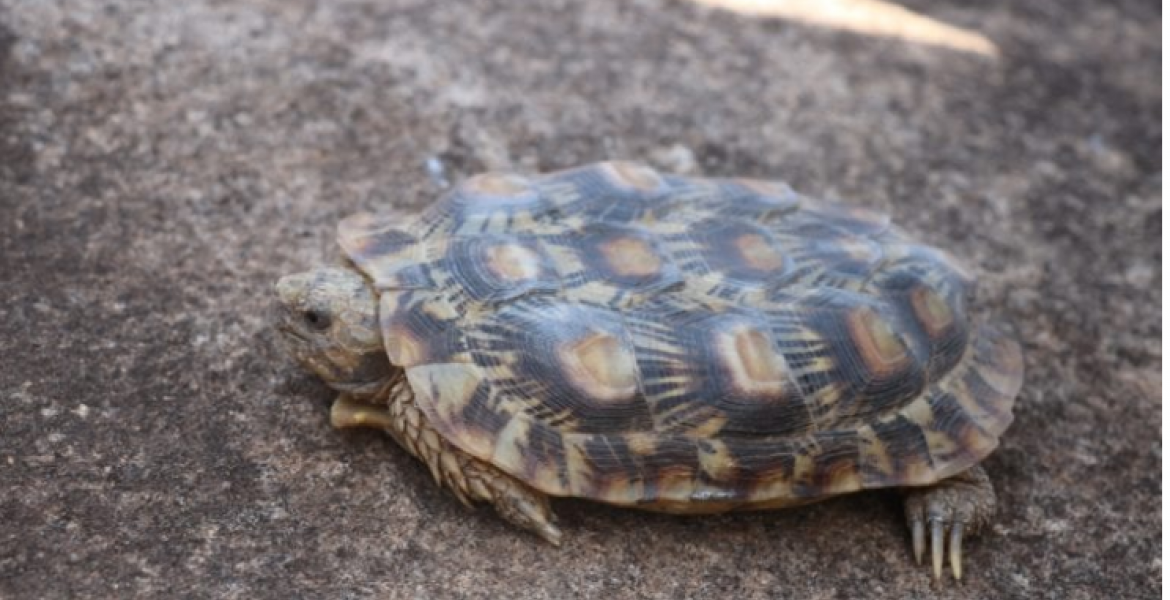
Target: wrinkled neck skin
<point x="382" y="392"/>
<point x="370" y="391"/>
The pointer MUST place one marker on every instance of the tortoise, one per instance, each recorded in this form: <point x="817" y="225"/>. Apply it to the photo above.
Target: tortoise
<point x="668" y="343"/>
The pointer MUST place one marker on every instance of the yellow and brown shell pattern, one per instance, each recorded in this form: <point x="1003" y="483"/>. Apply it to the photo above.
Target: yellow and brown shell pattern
<point x="685" y="344"/>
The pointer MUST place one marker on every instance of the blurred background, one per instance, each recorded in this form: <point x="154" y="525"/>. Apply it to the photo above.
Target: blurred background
<point x="161" y="163"/>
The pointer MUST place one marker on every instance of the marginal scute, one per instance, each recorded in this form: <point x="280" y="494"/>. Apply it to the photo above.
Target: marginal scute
<point x="635" y="175"/>
<point x="942" y="423"/>
<point x="364" y="224"/>
<point x="378" y="246"/>
<point x="642" y="444"/>
<point x="578" y="469"/>
<point x="945" y="264"/>
<point x="999" y="362"/>
<point x="773" y="191"/>
<point x="622" y="491"/>
<point x="759" y="200"/>
<point x="403" y="348"/>
<point x="510" y="442"/>
<point x="716" y="460"/>
<point x="854" y="219"/>
<point x="443" y="391"/>
<point x="876" y="463"/>
<point x="419" y="327"/>
<point x="676" y="482"/>
<point x="494" y="186"/>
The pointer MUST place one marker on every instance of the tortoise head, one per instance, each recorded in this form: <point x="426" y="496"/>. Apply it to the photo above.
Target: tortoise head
<point x="328" y="319"/>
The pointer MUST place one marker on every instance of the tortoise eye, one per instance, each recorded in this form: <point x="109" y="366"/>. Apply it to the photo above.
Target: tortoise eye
<point x="317" y="320"/>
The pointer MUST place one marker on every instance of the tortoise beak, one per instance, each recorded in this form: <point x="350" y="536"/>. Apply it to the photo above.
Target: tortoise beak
<point x="290" y="291"/>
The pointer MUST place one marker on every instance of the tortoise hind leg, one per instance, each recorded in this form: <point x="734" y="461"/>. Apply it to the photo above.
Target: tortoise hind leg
<point x="517" y="503"/>
<point x="954" y="507"/>
<point x="469" y="478"/>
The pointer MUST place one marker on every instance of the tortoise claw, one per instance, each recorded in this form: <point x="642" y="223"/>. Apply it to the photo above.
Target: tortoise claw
<point x="918" y="536"/>
<point x="550" y="533"/>
<point x="956" y="547"/>
<point x="936" y="547"/>
<point x="953" y="508"/>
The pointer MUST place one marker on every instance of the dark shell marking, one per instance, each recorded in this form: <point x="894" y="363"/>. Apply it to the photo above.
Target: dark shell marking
<point x="684" y="344"/>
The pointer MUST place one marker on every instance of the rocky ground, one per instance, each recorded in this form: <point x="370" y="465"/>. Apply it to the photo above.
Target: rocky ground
<point x="162" y="163"/>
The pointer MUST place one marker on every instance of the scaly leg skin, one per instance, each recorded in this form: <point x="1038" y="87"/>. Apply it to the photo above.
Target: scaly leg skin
<point x="469" y="478"/>
<point x="952" y="508"/>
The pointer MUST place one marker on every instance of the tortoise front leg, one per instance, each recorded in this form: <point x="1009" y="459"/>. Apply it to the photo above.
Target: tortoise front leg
<point x="953" y="507"/>
<point x="469" y="478"/>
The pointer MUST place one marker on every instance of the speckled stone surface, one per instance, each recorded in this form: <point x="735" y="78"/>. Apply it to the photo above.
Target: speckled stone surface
<point x="161" y="163"/>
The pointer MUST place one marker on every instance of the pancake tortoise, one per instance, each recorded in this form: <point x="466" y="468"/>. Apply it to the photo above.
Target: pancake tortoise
<point x="660" y="342"/>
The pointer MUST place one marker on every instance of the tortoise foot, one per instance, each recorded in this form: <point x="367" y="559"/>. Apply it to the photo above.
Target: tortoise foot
<point x="952" y="508"/>
<point x="517" y="503"/>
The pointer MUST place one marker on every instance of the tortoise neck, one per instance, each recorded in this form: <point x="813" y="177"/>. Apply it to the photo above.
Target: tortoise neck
<point x="381" y="391"/>
<point x="392" y="390"/>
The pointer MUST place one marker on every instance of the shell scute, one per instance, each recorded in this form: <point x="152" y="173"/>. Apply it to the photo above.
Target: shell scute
<point x="755" y="199"/>
<point x="571" y="364"/>
<point x="867" y="364"/>
<point x="486" y="203"/>
<point x="738" y="257"/>
<point x="713" y="371"/>
<point x="615" y="192"/>
<point x="499" y="267"/>
<point x="419" y="328"/>
<point x="388" y="253"/>
<point x="616" y="265"/>
<point x="821" y="215"/>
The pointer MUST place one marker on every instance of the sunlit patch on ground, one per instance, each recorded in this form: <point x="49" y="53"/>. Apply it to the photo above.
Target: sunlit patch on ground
<point x="869" y="17"/>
